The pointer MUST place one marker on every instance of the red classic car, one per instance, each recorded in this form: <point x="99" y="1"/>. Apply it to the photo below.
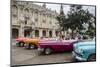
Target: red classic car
<point x="47" y="47"/>
<point x="20" y="41"/>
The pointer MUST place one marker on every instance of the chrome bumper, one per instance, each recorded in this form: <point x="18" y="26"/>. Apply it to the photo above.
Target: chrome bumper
<point x="26" y="45"/>
<point x="78" y="57"/>
<point x="40" y="49"/>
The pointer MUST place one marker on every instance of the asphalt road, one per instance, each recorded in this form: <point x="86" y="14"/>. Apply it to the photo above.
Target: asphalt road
<point x="22" y="56"/>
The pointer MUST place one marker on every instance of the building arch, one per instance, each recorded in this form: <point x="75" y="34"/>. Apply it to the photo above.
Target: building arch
<point x="26" y="9"/>
<point x="50" y="33"/>
<point x="56" y="32"/>
<point x="27" y="33"/>
<point x="26" y="15"/>
<point x="44" y="33"/>
<point x="14" y="11"/>
<point x="26" y="12"/>
<point x="36" y="33"/>
<point x="15" y="33"/>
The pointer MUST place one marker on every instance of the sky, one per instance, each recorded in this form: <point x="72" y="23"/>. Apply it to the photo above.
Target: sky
<point x="66" y="8"/>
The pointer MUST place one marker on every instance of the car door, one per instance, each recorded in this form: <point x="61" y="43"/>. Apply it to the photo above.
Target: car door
<point x="57" y="46"/>
<point x="66" y="46"/>
<point x="61" y="46"/>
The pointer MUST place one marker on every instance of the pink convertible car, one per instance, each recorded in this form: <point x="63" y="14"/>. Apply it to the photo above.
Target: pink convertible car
<point x="47" y="47"/>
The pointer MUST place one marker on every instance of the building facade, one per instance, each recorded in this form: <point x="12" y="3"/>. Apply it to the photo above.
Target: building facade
<point x="30" y="19"/>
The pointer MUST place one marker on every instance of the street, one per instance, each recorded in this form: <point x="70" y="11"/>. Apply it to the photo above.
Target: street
<point x="22" y="56"/>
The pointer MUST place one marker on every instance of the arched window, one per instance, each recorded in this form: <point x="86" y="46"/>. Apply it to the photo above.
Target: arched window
<point x="26" y="13"/>
<point x="36" y="33"/>
<point x="14" y="11"/>
<point x="15" y="33"/>
<point x="36" y="15"/>
<point x="27" y="32"/>
<point x="56" y="32"/>
<point x="44" y="33"/>
<point x="50" y="33"/>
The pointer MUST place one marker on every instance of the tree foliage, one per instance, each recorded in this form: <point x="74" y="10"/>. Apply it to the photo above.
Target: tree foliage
<point x="75" y="18"/>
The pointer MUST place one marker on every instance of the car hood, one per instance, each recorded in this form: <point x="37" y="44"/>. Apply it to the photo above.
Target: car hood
<point x="86" y="47"/>
<point x="21" y="39"/>
<point x="30" y="40"/>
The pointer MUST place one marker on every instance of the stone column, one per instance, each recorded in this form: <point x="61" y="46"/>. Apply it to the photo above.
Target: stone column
<point x="21" y="21"/>
<point x="40" y="33"/>
<point x="53" y="33"/>
<point x="65" y="33"/>
<point x="33" y="29"/>
<point x="33" y="33"/>
<point x="21" y="31"/>
<point x="47" y="33"/>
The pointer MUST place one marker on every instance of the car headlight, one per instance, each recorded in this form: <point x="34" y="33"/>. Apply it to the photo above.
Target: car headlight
<point x="79" y="51"/>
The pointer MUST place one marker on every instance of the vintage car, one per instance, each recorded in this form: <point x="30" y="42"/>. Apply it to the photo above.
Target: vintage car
<point x="33" y="43"/>
<point x="47" y="47"/>
<point x="85" y="51"/>
<point x="20" y="41"/>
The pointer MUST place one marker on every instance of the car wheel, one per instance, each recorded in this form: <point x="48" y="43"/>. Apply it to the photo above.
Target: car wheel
<point x="40" y="53"/>
<point x="18" y="44"/>
<point x="31" y="46"/>
<point x="47" y="51"/>
<point x="92" y="57"/>
<point x="22" y="44"/>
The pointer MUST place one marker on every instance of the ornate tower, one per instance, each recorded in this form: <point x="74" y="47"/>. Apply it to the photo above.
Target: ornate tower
<point x="44" y="5"/>
<point x="61" y="10"/>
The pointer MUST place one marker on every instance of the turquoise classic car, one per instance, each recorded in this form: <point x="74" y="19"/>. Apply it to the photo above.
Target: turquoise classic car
<point x="85" y="51"/>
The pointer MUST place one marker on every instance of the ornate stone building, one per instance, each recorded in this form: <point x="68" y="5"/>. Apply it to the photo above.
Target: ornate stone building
<point x="30" y="19"/>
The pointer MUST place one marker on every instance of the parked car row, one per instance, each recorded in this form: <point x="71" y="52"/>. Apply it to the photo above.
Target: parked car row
<point x="31" y="42"/>
<point x="48" y="47"/>
<point x="82" y="50"/>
